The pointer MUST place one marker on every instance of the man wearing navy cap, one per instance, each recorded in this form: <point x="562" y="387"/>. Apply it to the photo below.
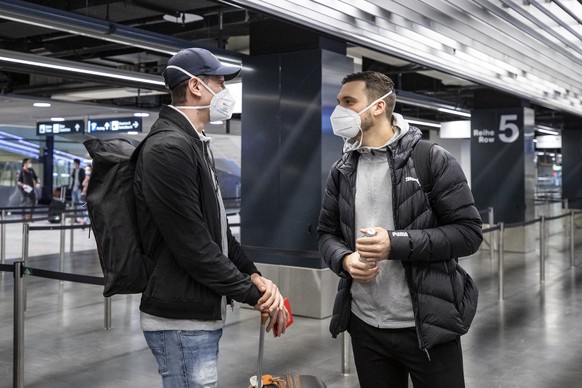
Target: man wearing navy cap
<point x="183" y="227"/>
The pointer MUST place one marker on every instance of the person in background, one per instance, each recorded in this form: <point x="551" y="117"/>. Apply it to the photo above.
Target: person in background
<point x="27" y="181"/>
<point x="77" y="178"/>
<point x="85" y="183"/>
<point x="402" y="296"/>
<point x="88" y="170"/>
<point x="200" y="266"/>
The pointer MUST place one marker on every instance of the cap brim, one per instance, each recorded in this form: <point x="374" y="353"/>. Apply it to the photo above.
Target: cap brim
<point x="228" y="72"/>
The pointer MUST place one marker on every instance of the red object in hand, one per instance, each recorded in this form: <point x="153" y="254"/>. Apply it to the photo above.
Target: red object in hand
<point x="290" y="320"/>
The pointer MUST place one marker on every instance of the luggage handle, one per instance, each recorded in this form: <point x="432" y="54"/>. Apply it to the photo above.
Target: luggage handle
<point x="264" y="317"/>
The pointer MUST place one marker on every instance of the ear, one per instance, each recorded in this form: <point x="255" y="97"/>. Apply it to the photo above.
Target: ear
<point x="380" y="108"/>
<point x="194" y="86"/>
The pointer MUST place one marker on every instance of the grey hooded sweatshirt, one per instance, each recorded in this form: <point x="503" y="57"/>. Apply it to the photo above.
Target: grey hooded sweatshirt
<point x="384" y="302"/>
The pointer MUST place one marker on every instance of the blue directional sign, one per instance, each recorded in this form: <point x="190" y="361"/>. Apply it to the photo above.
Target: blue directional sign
<point x="123" y="124"/>
<point x="60" y="127"/>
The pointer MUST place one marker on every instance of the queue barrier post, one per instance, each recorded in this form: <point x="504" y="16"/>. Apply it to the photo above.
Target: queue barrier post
<point x="572" y="229"/>
<point x="2" y="237"/>
<point x="542" y="248"/>
<point x="62" y="251"/>
<point x="107" y="315"/>
<point x="19" y="303"/>
<point x="501" y="237"/>
<point x="25" y="236"/>
<point x="345" y="353"/>
<point x="72" y="237"/>
<point x="491" y="239"/>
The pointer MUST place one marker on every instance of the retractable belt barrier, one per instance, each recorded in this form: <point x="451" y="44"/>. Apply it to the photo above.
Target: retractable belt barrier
<point x="69" y="277"/>
<point x="20" y="269"/>
<point x="35" y="212"/>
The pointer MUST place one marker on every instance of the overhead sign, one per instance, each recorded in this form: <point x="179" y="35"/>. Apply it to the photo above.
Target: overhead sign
<point x="124" y="124"/>
<point x="60" y="127"/>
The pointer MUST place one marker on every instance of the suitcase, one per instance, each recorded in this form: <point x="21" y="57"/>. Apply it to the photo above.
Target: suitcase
<point x="280" y="381"/>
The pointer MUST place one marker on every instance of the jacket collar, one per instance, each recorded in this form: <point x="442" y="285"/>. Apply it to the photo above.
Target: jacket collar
<point x="400" y="149"/>
<point x="179" y="121"/>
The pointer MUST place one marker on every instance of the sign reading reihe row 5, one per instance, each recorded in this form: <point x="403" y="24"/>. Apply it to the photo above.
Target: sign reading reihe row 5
<point x="124" y="124"/>
<point x="60" y="127"/>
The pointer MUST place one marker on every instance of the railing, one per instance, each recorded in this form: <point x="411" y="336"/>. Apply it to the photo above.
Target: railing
<point x="20" y="269"/>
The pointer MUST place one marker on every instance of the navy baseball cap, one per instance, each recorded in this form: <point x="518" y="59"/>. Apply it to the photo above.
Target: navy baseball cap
<point x="196" y="61"/>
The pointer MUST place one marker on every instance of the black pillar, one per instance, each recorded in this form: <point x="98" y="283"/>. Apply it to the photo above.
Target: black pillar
<point x="572" y="161"/>
<point x="48" y="168"/>
<point x="290" y="84"/>
<point x="502" y="156"/>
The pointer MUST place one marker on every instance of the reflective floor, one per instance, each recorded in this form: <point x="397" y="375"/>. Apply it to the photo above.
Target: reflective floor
<point x="530" y="339"/>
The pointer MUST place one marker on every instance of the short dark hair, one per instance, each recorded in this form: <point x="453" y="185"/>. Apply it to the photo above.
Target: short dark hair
<point x="78" y="161"/>
<point x="377" y="85"/>
<point x="179" y="91"/>
<point x="25" y="160"/>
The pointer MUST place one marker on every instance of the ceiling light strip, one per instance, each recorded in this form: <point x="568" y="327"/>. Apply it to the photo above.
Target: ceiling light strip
<point x="573" y="15"/>
<point x="67" y="66"/>
<point x="355" y="35"/>
<point x="54" y="19"/>
<point x="540" y="24"/>
<point x="512" y="41"/>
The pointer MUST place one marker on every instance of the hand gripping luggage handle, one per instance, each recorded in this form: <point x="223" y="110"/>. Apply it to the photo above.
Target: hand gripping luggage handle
<point x="264" y="317"/>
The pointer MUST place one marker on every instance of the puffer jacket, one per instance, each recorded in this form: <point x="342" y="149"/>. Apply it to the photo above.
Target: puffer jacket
<point x="429" y="238"/>
<point x="179" y="224"/>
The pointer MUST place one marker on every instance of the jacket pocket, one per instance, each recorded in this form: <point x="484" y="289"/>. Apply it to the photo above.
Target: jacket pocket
<point x="342" y="308"/>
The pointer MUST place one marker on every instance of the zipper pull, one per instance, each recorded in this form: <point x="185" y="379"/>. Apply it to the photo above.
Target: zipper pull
<point x="427" y="355"/>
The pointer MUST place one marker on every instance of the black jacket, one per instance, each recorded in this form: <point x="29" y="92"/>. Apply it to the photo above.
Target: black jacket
<point x="179" y="223"/>
<point x="81" y="179"/>
<point x="428" y="240"/>
<point x="27" y="178"/>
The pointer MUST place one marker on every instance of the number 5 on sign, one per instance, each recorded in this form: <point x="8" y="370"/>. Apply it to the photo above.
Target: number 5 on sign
<point x="505" y="125"/>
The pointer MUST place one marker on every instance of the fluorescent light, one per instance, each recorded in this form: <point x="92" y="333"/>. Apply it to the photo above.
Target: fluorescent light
<point x="106" y="93"/>
<point x="57" y="119"/>
<point x="84" y="69"/>
<point x="423" y="122"/>
<point x="454" y="112"/>
<point x="41" y="104"/>
<point x="548" y="130"/>
<point x="141" y="114"/>
<point x="183" y="18"/>
<point x="132" y="133"/>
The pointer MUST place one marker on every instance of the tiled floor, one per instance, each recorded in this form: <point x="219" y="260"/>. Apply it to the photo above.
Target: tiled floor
<point x="531" y="339"/>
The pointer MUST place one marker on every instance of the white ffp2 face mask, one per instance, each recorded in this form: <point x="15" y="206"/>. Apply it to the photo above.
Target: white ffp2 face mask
<point x="347" y="123"/>
<point x="221" y="105"/>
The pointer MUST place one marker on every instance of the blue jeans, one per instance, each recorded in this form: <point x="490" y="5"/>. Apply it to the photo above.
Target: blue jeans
<point x="76" y="196"/>
<point x="186" y="358"/>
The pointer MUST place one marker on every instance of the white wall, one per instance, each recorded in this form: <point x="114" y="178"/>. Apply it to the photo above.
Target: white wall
<point x="459" y="148"/>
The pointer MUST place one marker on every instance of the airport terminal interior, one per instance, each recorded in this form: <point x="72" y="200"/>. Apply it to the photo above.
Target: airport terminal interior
<point x="498" y="83"/>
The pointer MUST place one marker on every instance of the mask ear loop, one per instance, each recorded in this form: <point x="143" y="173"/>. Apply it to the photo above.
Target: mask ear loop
<point x="356" y="144"/>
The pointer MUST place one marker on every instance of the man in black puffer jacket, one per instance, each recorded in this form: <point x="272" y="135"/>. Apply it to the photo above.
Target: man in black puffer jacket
<point x="402" y="295"/>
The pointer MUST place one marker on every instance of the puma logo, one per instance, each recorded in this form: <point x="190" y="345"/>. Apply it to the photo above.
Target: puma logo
<point x="411" y="179"/>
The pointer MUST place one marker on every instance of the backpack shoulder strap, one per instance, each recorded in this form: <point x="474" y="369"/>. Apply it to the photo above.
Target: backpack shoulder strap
<point x="421" y="158"/>
<point x="137" y="150"/>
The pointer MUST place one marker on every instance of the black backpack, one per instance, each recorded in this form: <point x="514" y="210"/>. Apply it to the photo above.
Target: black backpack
<point x="111" y="206"/>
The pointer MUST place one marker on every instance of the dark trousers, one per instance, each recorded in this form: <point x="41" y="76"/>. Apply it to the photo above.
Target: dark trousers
<point x="385" y="357"/>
